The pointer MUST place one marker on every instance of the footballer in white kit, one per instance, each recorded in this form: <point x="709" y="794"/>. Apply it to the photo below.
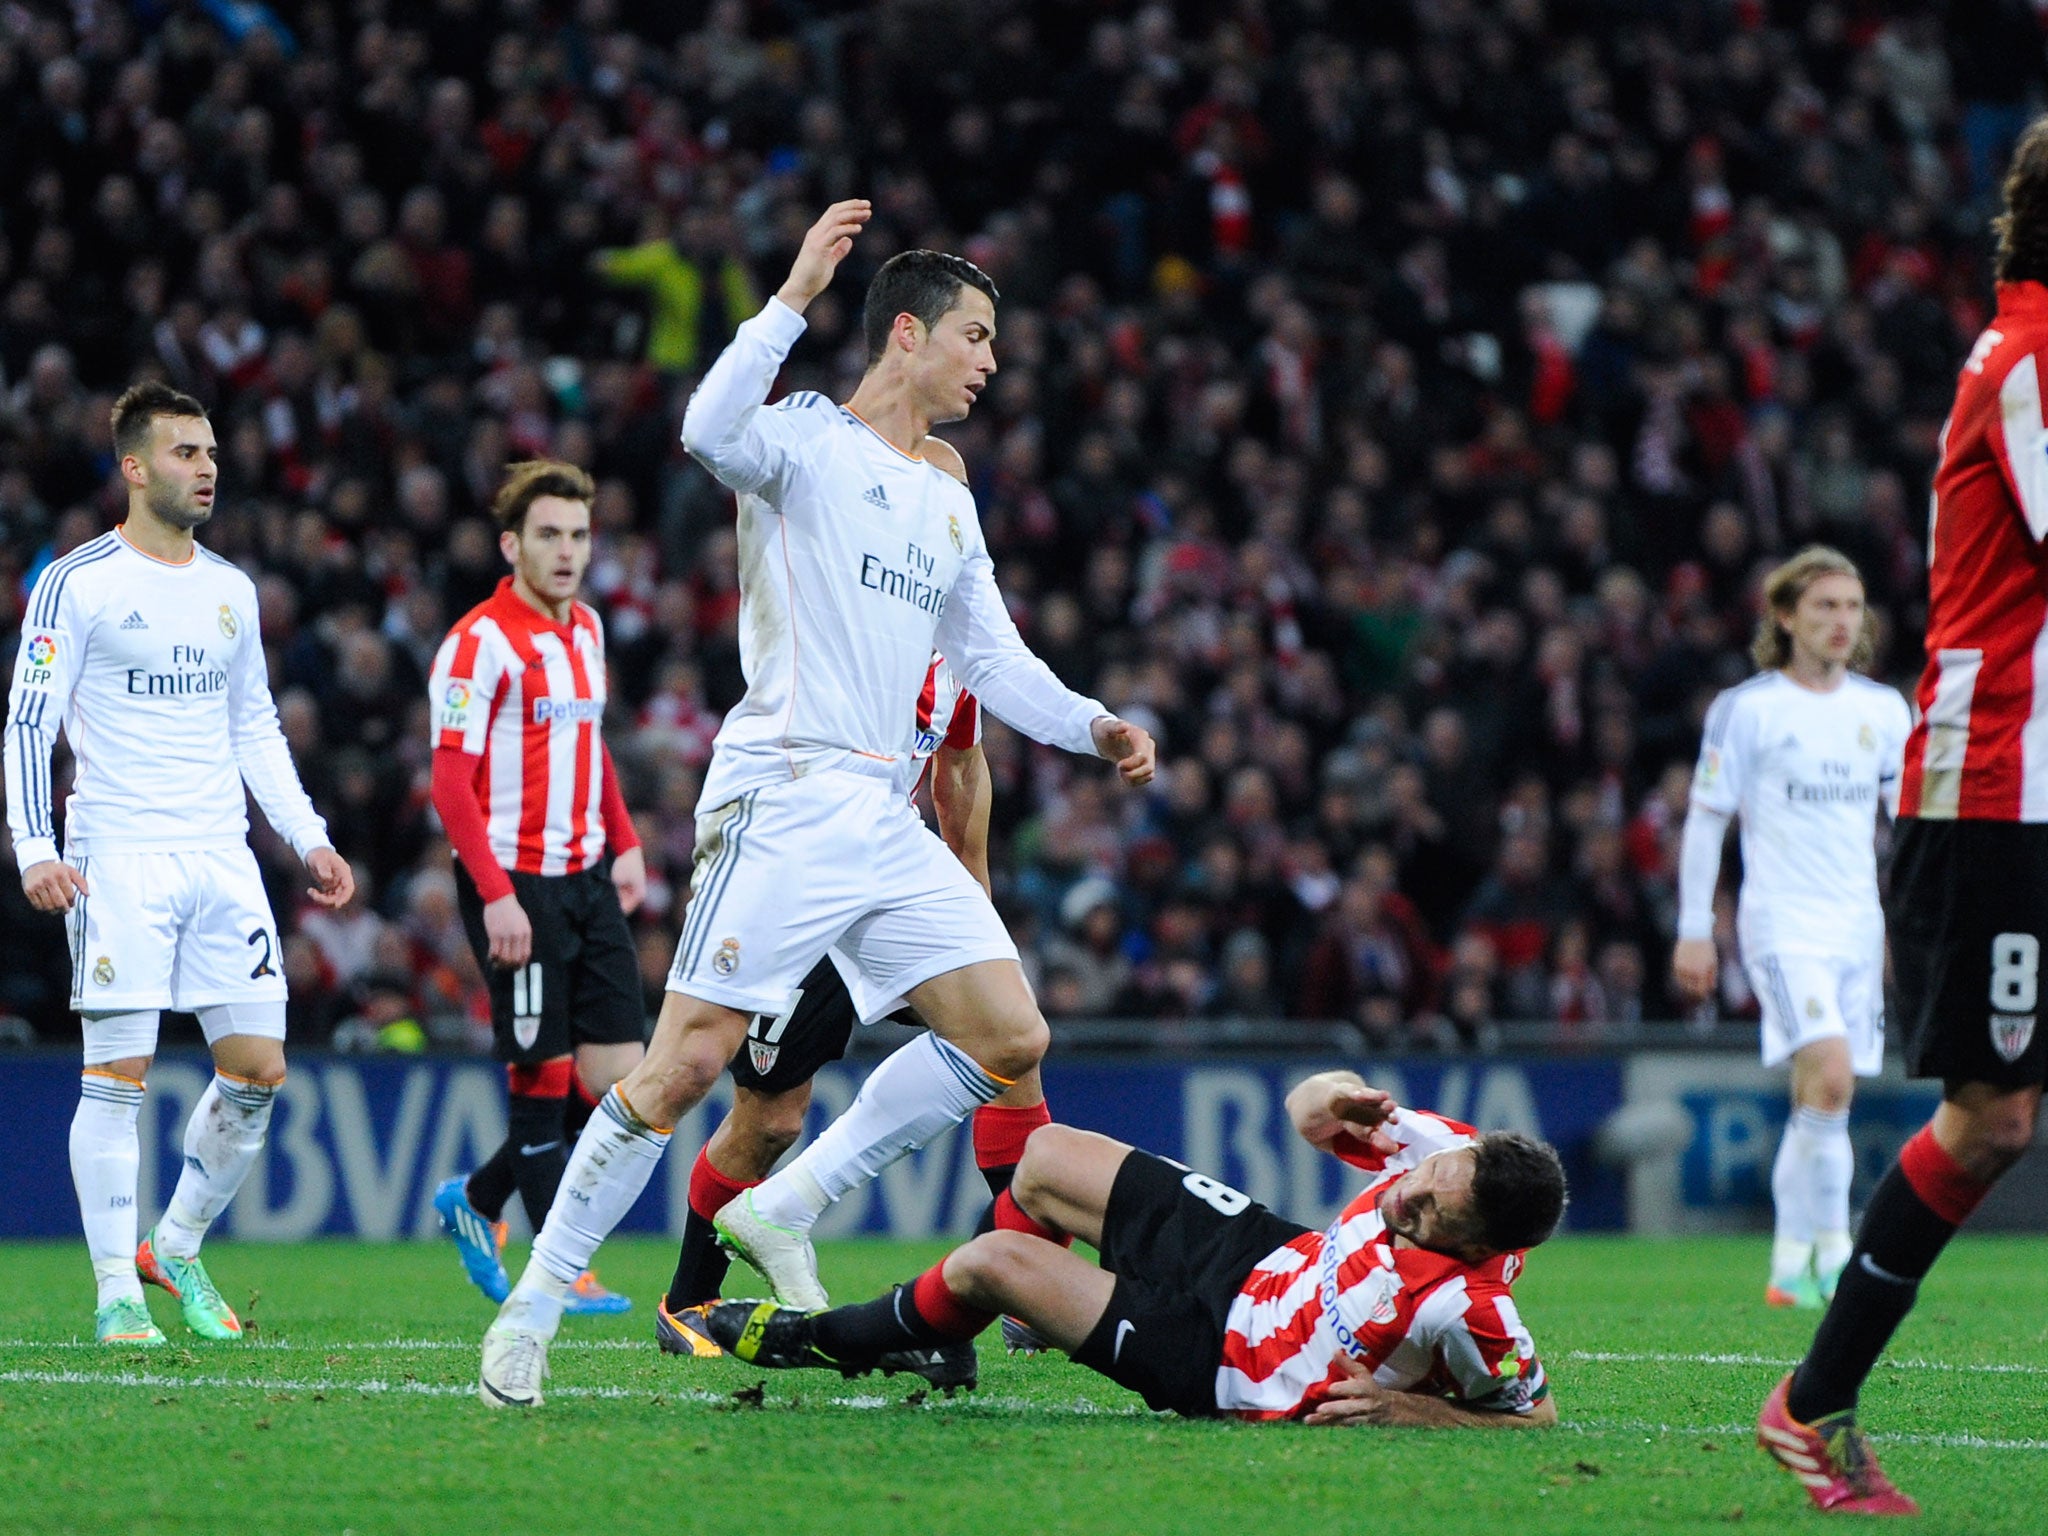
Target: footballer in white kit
<point x="1804" y="754"/>
<point x="146" y="648"/>
<point x="859" y="556"/>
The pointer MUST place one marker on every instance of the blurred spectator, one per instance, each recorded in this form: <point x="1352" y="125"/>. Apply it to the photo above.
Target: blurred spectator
<point x="1408" y="465"/>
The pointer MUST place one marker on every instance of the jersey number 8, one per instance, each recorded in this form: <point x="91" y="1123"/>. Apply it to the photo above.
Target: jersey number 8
<point x="2015" y="972"/>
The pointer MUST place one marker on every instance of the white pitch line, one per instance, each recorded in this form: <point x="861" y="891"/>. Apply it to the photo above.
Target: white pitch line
<point x="287" y="1347"/>
<point x="370" y="1388"/>
<point x="1655" y="1357"/>
<point x="869" y="1402"/>
<point x="1964" y="1442"/>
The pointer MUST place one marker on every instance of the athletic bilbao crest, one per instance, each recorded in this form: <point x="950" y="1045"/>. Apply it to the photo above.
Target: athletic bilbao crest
<point x="763" y="1055"/>
<point x="2011" y="1034"/>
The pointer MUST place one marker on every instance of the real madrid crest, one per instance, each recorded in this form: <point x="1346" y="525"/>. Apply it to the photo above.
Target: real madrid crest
<point x="1866" y="738"/>
<point x="226" y="618"/>
<point x="103" y="971"/>
<point x="953" y="533"/>
<point x="727" y="958"/>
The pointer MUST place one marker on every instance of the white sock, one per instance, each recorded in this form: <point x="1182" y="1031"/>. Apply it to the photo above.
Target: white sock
<point x="1830" y="1165"/>
<point x="1792" y="1239"/>
<point x="614" y="1158"/>
<point x="222" y="1140"/>
<point x="104" y="1158"/>
<point x="920" y="1091"/>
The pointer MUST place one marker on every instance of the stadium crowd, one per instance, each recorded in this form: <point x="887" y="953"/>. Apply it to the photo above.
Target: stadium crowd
<point x="1397" y="403"/>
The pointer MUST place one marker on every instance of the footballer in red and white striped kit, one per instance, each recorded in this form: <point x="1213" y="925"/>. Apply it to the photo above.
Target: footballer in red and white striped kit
<point x="1208" y="1304"/>
<point x="1968" y="907"/>
<point x="531" y="803"/>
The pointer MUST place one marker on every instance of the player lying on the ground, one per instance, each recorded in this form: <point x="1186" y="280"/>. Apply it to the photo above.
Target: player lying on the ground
<point x="771" y="1076"/>
<point x="1209" y="1304"/>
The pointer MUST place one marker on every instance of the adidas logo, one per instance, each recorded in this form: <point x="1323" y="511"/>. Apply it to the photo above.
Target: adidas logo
<point x="134" y="621"/>
<point x="876" y="497"/>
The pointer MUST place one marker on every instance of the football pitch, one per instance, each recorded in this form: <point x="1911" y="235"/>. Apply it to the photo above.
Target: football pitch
<point x="353" y="1409"/>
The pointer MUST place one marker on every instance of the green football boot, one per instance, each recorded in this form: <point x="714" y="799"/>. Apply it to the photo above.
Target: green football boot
<point x="126" y="1321"/>
<point x="206" y="1313"/>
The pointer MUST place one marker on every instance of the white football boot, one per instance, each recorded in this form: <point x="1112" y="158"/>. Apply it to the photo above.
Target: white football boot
<point x="515" y="1363"/>
<point x="785" y="1259"/>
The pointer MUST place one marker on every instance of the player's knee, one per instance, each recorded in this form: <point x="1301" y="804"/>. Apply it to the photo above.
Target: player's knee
<point x="2001" y="1134"/>
<point x="1830" y="1093"/>
<point x="977" y="1271"/>
<point x="1032" y="1183"/>
<point x="1019" y="1047"/>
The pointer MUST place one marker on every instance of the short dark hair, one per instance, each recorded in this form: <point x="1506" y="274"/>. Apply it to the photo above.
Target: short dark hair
<point x="921" y="283"/>
<point x="2022" y="228"/>
<point x="528" y="481"/>
<point x="141" y="404"/>
<point x="1518" y="1192"/>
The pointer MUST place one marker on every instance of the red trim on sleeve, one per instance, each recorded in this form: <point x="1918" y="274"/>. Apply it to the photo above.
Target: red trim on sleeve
<point x="965" y="729"/>
<point x="619" y="834"/>
<point x="462" y="817"/>
<point x="928" y="700"/>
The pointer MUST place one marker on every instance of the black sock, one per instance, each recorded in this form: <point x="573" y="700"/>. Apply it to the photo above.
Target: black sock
<point x="700" y="1264"/>
<point x="539" y="1153"/>
<point x="869" y="1329"/>
<point x="576" y="1111"/>
<point x="998" y="1179"/>
<point x="1899" y="1241"/>
<point x="492" y="1184"/>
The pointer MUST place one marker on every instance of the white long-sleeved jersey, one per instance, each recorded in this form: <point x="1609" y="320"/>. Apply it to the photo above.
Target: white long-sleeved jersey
<point x="156" y="672"/>
<point x="856" y="562"/>
<point x="1806" y="772"/>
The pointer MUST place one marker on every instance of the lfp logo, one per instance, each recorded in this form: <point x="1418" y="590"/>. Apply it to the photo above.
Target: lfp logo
<point x="457" y="696"/>
<point x="42" y="651"/>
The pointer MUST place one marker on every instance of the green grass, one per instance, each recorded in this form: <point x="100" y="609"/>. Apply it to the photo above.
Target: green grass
<point x="343" y="1416"/>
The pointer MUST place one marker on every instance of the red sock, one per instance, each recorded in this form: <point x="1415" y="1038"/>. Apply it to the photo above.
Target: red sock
<point x="1012" y="1217"/>
<point x="1944" y="1186"/>
<point x="1000" y="1133"/>
<point x="710" y="1190"/>
<point x="944" y="1312"/>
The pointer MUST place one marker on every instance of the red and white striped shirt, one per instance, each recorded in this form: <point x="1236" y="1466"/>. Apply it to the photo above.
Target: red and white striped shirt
<point x="1980" y="750"/>
<point x="526" y="695"/>
<point x="947" y="716"/>
<point x="1422" y="1321"/>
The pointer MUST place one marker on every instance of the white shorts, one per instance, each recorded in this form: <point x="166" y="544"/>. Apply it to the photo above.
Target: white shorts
<point x="173" y="930"/>
<point x="1818" y="997"/>
<point x="836" y="860"/>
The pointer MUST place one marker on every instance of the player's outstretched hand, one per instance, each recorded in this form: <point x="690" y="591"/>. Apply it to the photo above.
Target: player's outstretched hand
<point x="825" y="246"/>
<point x="1129" y="746"/>
<point x="629" y="879"/>
<point x="52" y="885"/>
<point x="334" y="883"/>
<point x="510" y="932"/>
<point x="1694" y="964"/>
<point x="1357" y="1399"/>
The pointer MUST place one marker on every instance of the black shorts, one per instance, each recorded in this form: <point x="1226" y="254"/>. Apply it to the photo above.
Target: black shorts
<point x="1968" y="913"/>
<point x="785" y="1050"/>
<point x="1181" y="1246"/>
<point x="582" y="984"/>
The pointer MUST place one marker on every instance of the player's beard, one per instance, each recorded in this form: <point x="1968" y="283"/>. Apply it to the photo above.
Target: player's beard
<point x="170" y="504"/>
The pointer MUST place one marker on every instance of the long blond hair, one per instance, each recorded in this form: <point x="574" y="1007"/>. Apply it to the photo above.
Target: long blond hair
<point x="1784" y="587"/>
